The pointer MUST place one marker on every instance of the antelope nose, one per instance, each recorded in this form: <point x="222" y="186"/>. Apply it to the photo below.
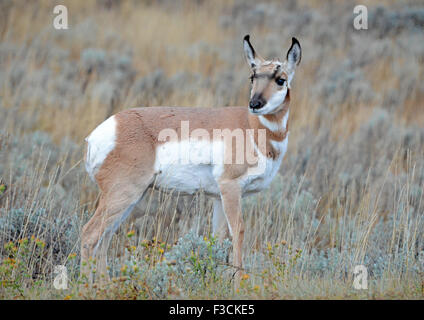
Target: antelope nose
<point x="255" y="104"/>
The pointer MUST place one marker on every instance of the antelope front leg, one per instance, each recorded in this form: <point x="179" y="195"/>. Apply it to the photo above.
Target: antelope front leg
<point x="231" y="202"/>
<point x="219" y="221"/>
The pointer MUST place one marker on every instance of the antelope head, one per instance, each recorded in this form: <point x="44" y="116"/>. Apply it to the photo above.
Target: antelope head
<point x="271" y="78"/>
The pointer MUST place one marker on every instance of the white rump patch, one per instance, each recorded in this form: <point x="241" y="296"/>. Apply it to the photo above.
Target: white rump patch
<point x="99" y="143"/>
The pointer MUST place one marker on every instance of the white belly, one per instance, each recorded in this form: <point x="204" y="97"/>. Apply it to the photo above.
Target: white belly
<point x="187" y="167"/>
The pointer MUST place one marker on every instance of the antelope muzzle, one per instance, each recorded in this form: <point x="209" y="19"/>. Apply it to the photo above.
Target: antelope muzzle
<point x="257" y="102"/>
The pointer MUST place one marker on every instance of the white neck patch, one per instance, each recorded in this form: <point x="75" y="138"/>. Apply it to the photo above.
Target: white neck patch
<point x="275" y="126"/>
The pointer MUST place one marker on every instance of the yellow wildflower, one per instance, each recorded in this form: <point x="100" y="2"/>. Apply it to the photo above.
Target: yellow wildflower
<point x="130" y="234"/>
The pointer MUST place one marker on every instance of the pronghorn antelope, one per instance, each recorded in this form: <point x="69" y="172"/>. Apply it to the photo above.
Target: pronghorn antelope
<point x="133" y="150"/>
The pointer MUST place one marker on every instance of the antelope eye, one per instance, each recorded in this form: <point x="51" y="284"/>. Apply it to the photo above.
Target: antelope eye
<point x="280" y="81"/>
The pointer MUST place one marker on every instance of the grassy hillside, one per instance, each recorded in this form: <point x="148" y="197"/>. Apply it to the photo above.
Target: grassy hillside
<point x="349" y="192"/>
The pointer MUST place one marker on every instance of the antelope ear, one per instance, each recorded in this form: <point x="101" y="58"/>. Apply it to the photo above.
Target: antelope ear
<point x="294" y="55"/>
<point x="253" y="59"/>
